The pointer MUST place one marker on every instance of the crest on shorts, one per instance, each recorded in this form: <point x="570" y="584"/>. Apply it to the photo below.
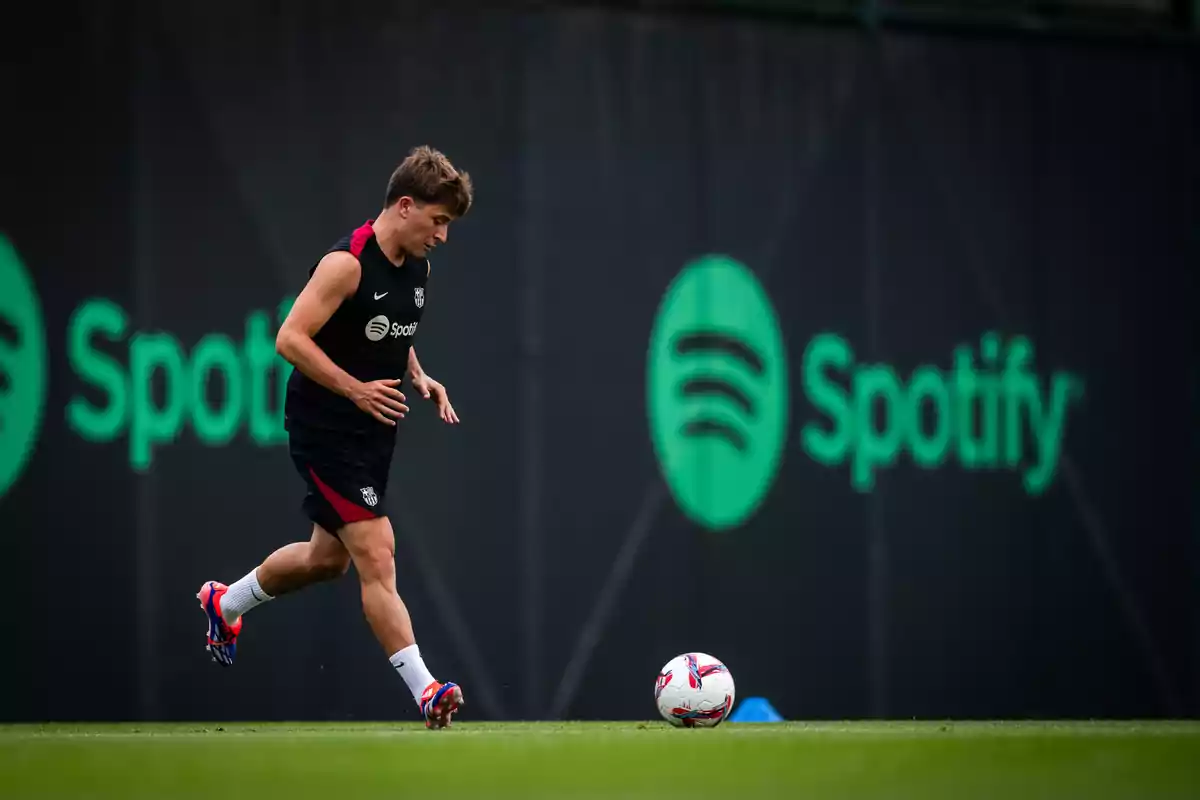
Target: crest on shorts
<point x="419" y="296"/>
<point x="369" y="496"/>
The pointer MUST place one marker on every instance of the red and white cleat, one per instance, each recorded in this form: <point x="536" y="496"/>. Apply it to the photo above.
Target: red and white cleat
<point x="222" y="638"/>
<point x="438" y="703"/>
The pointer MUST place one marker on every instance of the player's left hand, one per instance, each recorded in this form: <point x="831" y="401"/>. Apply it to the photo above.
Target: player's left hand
<point x="429" y="388"/>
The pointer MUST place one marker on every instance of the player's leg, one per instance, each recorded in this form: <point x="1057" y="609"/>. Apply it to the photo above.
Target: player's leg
<point x="292" y="566"/>
<point x="288" y="569"/>
<point x="372" y="546"/>
<point x="300" y="564"/>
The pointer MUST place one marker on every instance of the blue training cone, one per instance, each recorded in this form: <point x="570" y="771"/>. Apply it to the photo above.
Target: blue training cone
<point x="755" y="709"/>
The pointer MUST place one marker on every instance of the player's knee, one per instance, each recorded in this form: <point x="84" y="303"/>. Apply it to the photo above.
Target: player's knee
<point x="327" y="566"/>
<point x="377" y="562"/>
<point x="373" y="548"/>
<point x="327" y="557"/>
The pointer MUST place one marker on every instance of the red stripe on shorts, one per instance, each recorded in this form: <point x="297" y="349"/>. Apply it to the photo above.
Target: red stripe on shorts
<point x="349" y="512"/>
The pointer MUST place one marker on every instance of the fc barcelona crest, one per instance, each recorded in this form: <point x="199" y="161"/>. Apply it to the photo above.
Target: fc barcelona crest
<point x="419" y="296"/>
<point x="369" y="496"/>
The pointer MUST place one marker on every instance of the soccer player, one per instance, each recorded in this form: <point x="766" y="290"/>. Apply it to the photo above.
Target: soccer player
<point x="350" y="337"/>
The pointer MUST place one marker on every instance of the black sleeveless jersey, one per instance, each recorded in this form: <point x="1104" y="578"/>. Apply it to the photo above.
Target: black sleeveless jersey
<point x="368" y="336"/>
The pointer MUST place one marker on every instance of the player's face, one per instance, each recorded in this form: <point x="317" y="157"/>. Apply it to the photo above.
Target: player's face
<point x="428" y="227"/>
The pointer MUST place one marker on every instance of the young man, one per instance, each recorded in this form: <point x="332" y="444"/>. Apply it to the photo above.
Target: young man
<point x="349" y="336"/>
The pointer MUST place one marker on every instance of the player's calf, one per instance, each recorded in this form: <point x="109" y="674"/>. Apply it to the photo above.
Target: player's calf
<point x="371" y="544"/>
<point x="300" y="564"/>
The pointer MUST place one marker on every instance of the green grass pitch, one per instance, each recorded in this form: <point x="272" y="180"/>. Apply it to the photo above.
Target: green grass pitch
<point x="579" y="759"/>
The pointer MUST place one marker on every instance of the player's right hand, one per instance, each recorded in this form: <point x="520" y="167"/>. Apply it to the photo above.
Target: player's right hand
<point x="381" y="400"/>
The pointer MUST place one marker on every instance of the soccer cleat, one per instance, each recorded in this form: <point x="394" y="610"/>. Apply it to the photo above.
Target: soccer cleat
<point x="438" y="703"/>
<point x="222" y="638"/>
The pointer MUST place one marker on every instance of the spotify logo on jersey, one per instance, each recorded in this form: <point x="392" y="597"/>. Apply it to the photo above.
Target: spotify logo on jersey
<point x="22" y="366"/>
<point x="377" y="328"/>
<point x="717" y="391"/>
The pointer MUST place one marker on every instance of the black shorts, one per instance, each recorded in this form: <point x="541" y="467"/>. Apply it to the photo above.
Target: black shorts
<point x="346" y="473"/>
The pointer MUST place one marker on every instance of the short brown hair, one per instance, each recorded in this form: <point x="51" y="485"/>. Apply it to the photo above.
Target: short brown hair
<point x="427" y="176"/>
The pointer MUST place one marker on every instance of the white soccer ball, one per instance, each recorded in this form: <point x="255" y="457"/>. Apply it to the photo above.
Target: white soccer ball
<point x="694" y="690"/>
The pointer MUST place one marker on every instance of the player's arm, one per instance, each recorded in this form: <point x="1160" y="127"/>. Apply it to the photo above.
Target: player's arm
<point x="414" y="366"/>
<point x="429" y="388"/>
<point x="333" y="281"/>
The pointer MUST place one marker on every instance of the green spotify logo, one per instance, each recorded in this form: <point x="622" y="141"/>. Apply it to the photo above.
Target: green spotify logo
<point x="22" y="366"/>
<point x="718" y="405"/>
<point x="219" y="387"/>
<point x="717" y="391"/>
<point x="987" y="411"/>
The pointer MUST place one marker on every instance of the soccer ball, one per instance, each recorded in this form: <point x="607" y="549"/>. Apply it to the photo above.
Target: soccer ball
<point x="694" y="690"/>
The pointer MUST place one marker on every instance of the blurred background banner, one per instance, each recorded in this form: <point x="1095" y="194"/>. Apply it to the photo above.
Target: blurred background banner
<point x="862" y="359"/>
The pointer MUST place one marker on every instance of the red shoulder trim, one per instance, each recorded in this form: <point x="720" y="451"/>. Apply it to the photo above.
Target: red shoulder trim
<point x="360" y="237"/>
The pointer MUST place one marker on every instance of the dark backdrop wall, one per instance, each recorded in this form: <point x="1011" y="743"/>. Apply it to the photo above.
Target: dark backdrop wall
<point x="921" y="217"/>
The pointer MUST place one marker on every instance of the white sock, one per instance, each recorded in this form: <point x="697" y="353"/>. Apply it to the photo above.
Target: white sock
<point x="242" y="596"/>
<point x="412" y="669"/>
